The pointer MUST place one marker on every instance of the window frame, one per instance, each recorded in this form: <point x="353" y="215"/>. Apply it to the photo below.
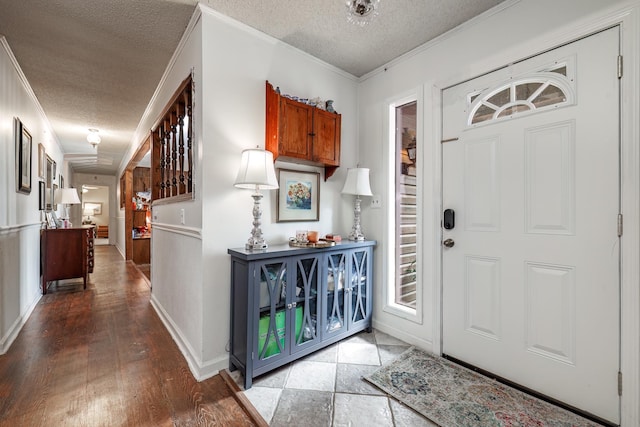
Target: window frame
<point x="389" y="170"/>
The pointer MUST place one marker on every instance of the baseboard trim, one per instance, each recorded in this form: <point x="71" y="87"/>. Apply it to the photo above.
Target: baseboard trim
<point x="401" y="335"/>
<point x="12" y="334"/>
<point x="200" y="371"/>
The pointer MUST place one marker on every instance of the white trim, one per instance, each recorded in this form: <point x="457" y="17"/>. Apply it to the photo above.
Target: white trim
<point x="628" y="17"/>
<point x="389" y="255"/>
<point x="14" y="330"/>
<point x="274" y="41"/>
<point x="136" y="140"/>
<point x="462" y="28"/>
<point x="630" y="206"/>
<point x="201" y="371"/>
<point x="30" y="93"/>
<point x="196" y="233"/>
<point x="402" y="335"/>
<point x="9" y="229"/>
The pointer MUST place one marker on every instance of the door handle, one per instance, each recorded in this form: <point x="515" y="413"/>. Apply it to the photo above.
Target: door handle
<point x="449" y="243"/>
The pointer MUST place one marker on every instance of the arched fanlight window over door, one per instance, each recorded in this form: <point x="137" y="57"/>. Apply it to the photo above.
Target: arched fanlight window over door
<point x="533" y="92"/>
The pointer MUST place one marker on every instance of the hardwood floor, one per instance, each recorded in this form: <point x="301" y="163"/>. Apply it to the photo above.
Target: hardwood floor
<point x="102" y="357"/>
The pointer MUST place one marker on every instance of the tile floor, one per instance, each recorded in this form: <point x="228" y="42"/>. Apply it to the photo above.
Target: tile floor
<point x="326" y="388"/>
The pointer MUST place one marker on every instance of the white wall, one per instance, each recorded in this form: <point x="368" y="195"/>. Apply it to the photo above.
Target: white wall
<point x="510" y="32"/>
<point x="231" y="62"/>
<point x="236" y="62"/>
<point x="19" y="214"/>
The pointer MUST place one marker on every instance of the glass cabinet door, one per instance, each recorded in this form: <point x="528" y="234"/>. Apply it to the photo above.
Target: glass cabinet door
<point x="272" y="290"/>
<point x="305" y="302"/>
<point x="359" y="302"/>
<point x="334" y="307"/>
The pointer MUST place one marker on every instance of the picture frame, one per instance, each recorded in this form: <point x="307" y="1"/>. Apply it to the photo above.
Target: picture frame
<point x="42" y="204"/>
<point x="41" y="160"/>
<point x="23" y="157"/>
<point x="298" y="197"/>
<point x="53" y="197"/>
<point x="96" y="206"/>
<point x="61" y="181"/>
<point x="48" y="180"/>
<point x="51" y="221"/>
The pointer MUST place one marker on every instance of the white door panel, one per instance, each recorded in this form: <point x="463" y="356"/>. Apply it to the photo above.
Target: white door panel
<point x="531" y="286"/>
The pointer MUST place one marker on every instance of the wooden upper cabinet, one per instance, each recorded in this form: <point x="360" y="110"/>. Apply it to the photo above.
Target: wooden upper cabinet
<point x="296" y="130"/>
<point x="302" y="133"/>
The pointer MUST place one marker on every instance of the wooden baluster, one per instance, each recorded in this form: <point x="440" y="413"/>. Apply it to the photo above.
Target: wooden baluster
<point x="163" y="142"/>
<point x="189" y="142"/>
<point x="181" y="188"/>
<point x="167" y="158"/>
<point x="174" y="155"/>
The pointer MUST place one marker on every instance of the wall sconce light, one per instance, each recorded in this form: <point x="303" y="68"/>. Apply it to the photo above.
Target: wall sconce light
<point x="357" y="183"/>
<point x="256" y="173"/>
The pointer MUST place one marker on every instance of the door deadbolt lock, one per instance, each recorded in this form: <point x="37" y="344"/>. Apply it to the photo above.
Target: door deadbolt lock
<point x="449" y="243"/>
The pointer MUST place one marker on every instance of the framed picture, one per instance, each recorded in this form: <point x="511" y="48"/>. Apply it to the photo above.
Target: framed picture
<point x="41" y="161"/>
<point x="96" y="207"/>
<point x="53" y="197"/>
<point x="298" y="196"/>
<point x="48" y="180"/>
<point x="51" y="221"/>
<point x="23" y="157"/>
<point x="42" y="204"/>
<point x="61" y="181"/>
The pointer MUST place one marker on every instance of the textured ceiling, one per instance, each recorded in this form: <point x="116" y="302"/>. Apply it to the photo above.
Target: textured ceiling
<point x="96" y="63"/>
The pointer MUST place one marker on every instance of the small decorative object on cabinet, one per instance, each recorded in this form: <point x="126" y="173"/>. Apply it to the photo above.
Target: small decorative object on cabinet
<point x="66" y="253"/>
<point x="289" y="302"/>
<point x="301" y="132"/>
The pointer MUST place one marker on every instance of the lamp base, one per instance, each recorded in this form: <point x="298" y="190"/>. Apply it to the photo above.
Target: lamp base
<point x="356" y="231"/>
<point x="356" y="237"/>
<point x="256" y="245"/>
<point x="256" y="242"/>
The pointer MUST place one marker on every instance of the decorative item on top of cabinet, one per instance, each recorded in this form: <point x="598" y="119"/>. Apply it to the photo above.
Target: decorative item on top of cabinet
<point x="301" y="132"/>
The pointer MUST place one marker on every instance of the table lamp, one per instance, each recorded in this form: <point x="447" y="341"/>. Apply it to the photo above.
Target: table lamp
<point x="66" y="196"/>
<point x="257" y="173"/>
<point x="357" y="183"/>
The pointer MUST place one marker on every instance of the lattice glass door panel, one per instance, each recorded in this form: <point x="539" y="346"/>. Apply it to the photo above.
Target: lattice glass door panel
<point x="335" y="321"/>
<point x="358" y="286"/>
<point x="272" y="321"/>
<point x="305" y="302"/>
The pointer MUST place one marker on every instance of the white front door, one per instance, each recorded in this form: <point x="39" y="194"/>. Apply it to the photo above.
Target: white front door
<point x="531" y="283"/>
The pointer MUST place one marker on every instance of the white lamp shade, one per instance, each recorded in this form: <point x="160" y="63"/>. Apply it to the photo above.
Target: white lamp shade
<point x="256" y="170"/>
<point x="66" y="196"/>
<point x="357" y="182"/>
<point x="88" y="212"/>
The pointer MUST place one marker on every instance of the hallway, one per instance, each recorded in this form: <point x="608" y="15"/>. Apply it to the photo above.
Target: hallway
<point x="102" y="357"/>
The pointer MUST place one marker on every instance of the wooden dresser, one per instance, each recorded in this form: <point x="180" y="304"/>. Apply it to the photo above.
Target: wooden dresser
<point x="66" y="253"/>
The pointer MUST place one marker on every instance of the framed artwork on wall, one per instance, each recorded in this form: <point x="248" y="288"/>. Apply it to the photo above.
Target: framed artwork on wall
<point x="53" y="197"/>
<point x="48" y="180"/>
<point x="298" y="196"/>
<point x="94" y="206"/>
<point x="41" y="161"/>
<point x="41" y="195"/>
<point x="23" y="157"/>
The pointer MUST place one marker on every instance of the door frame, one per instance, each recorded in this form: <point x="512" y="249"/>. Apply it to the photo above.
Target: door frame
<point x="628" y="18"/>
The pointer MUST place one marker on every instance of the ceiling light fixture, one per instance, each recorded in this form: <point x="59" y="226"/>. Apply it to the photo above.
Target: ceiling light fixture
<point x="362" y="12"/>
<point x="94" y="138"/>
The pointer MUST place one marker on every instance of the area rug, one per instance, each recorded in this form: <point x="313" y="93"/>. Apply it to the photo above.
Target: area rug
<point x="453" y="396"/>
